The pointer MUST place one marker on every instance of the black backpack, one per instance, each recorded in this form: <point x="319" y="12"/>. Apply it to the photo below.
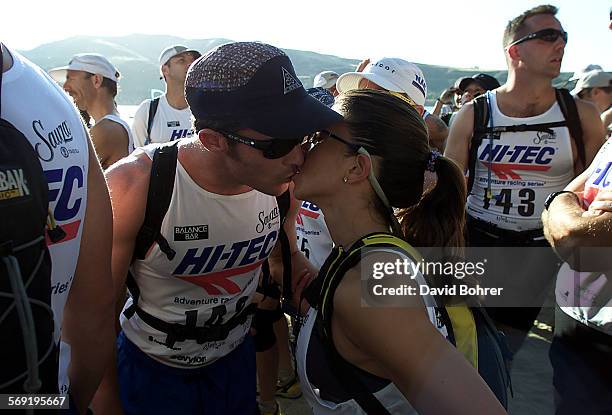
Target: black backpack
<point x="29" y="354"/>
<point x="152" y="111"/>
<point x="482" y="129"/>
<point x="161" y="186"/>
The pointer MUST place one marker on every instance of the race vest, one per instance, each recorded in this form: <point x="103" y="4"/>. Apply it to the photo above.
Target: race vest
<point x="520" y="169"/>
<point x="313" y="236"/>
<point x="587" y="296"/>
<point x="220" y="244"/>
<point x="42" y="111"/>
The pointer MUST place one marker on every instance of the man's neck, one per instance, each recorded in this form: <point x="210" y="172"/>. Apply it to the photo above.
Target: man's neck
<point x="175" y="94"/>
<point x="101" y="108"/>
<point x="203" y="168"/>
<point x="524" y="95"/>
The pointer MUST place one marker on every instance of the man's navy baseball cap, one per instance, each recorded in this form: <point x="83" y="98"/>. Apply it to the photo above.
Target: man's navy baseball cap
<point x="255" y="86"/>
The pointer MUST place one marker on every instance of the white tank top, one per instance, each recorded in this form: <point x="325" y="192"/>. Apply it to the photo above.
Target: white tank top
<point x="390" y="396"/>
<point x="169" y="123"/>
<point x="124" y="124"/>
<point x="42" y="111"/>
<point x="220" y="243"/>
<point x="313" y="236"/>
<point x="587" y="296"/>
<point x="526" y="167"/>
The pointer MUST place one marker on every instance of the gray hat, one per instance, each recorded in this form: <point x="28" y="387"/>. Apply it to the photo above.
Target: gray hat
<point x="593" y="79"/>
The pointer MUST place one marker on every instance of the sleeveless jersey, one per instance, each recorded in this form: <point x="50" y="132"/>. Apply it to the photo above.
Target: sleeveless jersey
<point x="309" y="341"/>
<point x="220" y="243"/>
<point x="587" y="296"/>
<point x="523" y="168"/>
<point x="42" y="111"/>
<point x="169" y="124"/>
<point x="124" y="124"/>
<point x="313" y="236"/>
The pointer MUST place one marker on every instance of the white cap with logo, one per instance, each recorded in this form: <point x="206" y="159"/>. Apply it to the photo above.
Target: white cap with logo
<point x="392" y="74"/>
<point x="172" y="51"/>
<point x="593" y="79"/>
<point x="88" y="62"/>
<point x="325" y="79"/>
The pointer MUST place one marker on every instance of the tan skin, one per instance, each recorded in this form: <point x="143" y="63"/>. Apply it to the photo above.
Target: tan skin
<point x="203" y="157"/>
<point x="528" y="92"/>
<point x="174" y="72"/>
<point x="87" y="324"/>
<point x="433" y="376"/>
<point x="109" y="138"/>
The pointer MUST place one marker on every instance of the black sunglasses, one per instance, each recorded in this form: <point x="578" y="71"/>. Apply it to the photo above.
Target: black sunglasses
<point x="272" y="149"/>
<point x="547" y="35"/>
<point x="315" y="138"/>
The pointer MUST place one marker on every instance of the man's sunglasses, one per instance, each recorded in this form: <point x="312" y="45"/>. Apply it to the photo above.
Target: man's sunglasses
<point x="547" y="35"/>
<point x="272" y="149"/>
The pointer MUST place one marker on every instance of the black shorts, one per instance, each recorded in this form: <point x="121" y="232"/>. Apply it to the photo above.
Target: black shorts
<point x="538" y="268"/>
<point x="581" y="358"/>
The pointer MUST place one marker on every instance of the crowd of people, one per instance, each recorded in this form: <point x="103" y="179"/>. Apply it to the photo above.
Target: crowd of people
<point x="218" y="253"/>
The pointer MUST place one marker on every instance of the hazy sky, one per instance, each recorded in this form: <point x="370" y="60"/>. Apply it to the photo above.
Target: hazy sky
<point x="462" y="33"/>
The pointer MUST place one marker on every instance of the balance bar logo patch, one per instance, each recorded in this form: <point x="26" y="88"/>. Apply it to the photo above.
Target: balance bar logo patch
<point x="191" y="233"/>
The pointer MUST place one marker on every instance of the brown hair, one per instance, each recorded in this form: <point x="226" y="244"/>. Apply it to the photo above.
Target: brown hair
<point x="391" y="129"/>
<point x="517" y="25"/>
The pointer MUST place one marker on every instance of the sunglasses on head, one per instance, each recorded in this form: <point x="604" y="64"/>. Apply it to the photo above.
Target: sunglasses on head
<point x="271" y="149"/>
<point x="547" y="35"/>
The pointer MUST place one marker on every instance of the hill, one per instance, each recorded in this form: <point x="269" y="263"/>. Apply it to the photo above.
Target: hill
<point x="136" y="57"/>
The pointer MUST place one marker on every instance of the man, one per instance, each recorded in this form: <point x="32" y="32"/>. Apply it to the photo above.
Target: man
<point x="327" y="80"/>
<point x="167" y="117"/>
<point x="596" y="87"/>
<point x="80" y="247"/>
<point x="401" y="78"/>
<point x="91" y="80"/>
<point x="576" y="221"/>
<point x="470" y="88"/>
<point x="194" y="286"/>
<point x="511" y="173"/>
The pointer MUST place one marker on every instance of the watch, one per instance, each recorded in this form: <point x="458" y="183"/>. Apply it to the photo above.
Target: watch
<point x="553" y="195"/>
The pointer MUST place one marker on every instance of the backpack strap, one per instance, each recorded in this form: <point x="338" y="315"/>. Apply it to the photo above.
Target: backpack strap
<point x="152" y="111"/>
<point x="481" y="118"/>
<point x="570" y="112"/>
<point x="161" y="186"/>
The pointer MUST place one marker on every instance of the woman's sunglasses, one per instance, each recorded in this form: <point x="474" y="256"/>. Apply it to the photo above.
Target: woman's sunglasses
<point x="547" y="35"/>
<point x="271" y="149"/>
<point x="313" y="139"/>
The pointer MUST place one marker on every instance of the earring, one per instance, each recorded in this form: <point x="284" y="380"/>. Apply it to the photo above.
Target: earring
<point x="345" y="179"/>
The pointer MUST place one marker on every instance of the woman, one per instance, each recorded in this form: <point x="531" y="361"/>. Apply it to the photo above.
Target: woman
<point x="357" y="173"/>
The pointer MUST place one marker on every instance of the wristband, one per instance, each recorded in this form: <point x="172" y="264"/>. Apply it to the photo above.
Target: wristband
<point x="553" y="195"/>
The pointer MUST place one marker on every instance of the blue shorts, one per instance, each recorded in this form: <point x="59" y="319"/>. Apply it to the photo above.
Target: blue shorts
<point x="226" y="386"/>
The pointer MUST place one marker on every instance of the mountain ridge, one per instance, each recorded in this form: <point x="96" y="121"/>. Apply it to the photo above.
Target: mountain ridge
<point x="136" y="58"/>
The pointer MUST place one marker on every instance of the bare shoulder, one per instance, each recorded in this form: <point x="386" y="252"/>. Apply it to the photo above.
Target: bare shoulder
<point x="108" y="129"/>
<point x="128" y="182"/>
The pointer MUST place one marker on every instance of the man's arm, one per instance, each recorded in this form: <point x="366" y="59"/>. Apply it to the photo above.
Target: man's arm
<point x="438" y="131"/>
<point x="139" y="126"/>
<point x="571" y="233"/>
<point x="110" y="141"/>
<point x="460" y="135"/>
<point x="89" y="311"/>
<point x="128" y="182"/>
<point x="594" y="133"/>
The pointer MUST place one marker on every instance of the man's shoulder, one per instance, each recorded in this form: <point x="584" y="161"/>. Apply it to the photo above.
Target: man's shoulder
<point x="131" y="172"/>
<point x="109" y="128"/>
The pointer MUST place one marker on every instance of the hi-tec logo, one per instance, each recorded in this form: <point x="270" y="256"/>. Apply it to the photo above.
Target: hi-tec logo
<point x="420" y="84"/>
<point x="308" y="209"/>
<point x="240" y="258"/>
<point x="289" y="82"/>
<point x="181" y="133"/>
<point x="51" y="140"/>
<point x="267" y="221"/>
<point x="190" y="233"/>
<point x="13" y="184"/>
<point x="506" y="160"/>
